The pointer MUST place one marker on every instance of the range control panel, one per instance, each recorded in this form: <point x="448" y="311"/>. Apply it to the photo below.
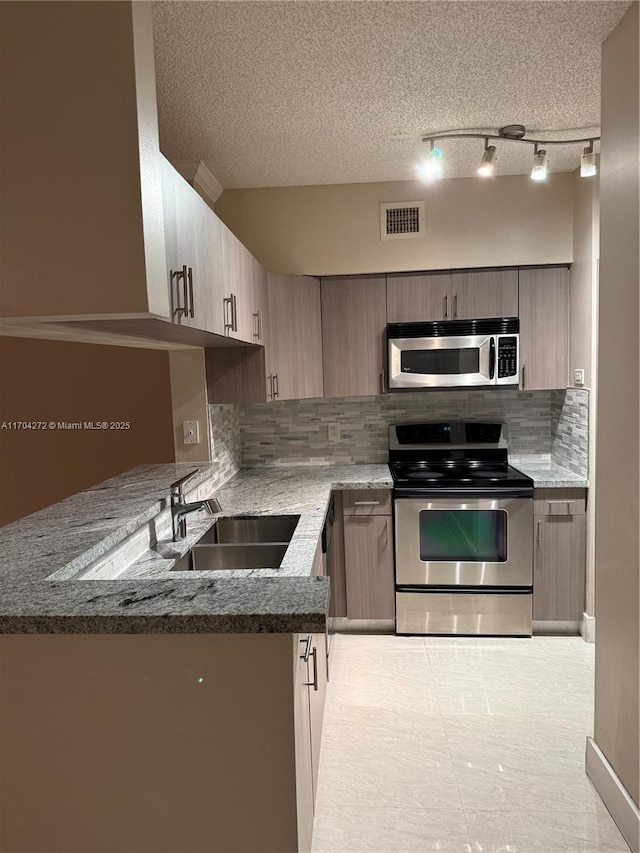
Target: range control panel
<point x="507" y="356"/>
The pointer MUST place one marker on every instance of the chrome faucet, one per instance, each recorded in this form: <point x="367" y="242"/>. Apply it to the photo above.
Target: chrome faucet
<point x="180" y="510"/>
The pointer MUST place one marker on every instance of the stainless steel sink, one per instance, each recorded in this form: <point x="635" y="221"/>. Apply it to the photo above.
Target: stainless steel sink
<point x="207" y="558"/>
<point x="251" y="528"/>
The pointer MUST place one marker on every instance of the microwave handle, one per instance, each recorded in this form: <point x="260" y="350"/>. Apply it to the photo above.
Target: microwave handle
<point x="492" y="358"/>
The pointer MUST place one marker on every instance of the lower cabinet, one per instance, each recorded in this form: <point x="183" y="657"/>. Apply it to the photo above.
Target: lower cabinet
<point x="150" y="742"/>
<point x="559" y="555"/>
<point x="368" y="554"/>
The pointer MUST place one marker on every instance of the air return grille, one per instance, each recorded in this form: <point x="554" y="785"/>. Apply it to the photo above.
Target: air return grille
<point x="401" y="219"/>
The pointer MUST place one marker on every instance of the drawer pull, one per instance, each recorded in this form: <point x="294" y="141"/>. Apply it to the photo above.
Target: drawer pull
<point x="366" y="503"/>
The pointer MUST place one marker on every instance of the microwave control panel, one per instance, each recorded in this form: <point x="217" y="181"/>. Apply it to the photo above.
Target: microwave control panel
<point x="507" y="357"/>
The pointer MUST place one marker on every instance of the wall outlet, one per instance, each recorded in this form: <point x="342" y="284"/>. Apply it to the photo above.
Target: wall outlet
<point x="334" y="432"/>
<point x="191" y="432"/>
<point x="578" y="376"/>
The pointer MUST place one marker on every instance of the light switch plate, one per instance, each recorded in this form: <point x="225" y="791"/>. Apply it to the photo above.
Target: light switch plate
<point x="578" y="376"/>
<point x="191" y="432"/>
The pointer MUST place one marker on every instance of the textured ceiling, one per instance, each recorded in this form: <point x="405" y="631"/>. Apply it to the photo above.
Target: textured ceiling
<point x="313" y="92"/>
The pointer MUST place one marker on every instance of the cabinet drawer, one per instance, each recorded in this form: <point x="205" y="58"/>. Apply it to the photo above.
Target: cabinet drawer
<point x="367" y="502"/>
<point x="559" y="502"/>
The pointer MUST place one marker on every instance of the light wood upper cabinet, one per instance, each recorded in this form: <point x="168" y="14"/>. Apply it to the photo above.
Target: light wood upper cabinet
<point x="484" y="293"/>
<point x="354" y="317"/>
<point x="418" y="296"/>
<point x="294" y="337"/>
<point x="192" y="244"/>
<point x="544" y="328"/>
<point x="465" y="294"/>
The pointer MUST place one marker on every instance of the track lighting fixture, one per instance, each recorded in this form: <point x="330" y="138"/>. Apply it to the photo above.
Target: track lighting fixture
<point x="488" y="159"/>
<point x="432" y="167"/>
<point x="540" y="165"/>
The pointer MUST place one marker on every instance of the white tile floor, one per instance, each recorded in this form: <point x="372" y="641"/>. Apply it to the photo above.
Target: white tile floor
<point x="459" y="745"/>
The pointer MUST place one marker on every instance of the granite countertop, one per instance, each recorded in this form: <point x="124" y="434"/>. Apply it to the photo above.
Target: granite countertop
<point x="546" y="473"/>
<point x="64" y="539"/>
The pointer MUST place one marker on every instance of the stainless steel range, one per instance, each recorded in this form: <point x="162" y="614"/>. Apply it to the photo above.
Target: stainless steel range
<point x="463" y="531"/>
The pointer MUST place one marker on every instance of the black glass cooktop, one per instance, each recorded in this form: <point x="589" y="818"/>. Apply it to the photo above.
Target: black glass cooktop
<point x="452" y="474"/>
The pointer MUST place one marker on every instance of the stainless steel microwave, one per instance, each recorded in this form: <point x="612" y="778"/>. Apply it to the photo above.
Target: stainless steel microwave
<point x="453" y="353"/>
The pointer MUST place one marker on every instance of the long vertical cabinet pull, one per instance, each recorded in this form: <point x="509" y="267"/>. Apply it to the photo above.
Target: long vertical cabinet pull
<point x="227" y="307"/>
<point x="191" y="303"/>
<point x="446" y="305"/>
<point x="538" y="524"/>
<point x="256" y="318"/>
<point x="178" y="278"/>
<point x="270" y="387"/>
<point x="234" y="312"/>
<point x="522" y="384"/>
<point x="455" y="304"/>
<point x="276" y="390"/>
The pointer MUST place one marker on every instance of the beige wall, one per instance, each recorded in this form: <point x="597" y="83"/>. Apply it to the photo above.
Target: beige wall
<point x="583" y="333"/>
<point x="335" y="229"/>
<point x="618" y="426"/>
<point x="62" y="381"/>
<point x="583" y="274"/>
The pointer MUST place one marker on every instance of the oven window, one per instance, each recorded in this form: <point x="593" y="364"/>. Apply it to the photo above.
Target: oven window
<point x="463" y="535"/>
<point x="441" y="362"/>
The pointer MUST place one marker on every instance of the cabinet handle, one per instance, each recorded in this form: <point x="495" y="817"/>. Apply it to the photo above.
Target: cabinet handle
<point x="566" y="503"/>
<point x="366" y="503"/>
<point x="190" y="277"/>
<point x="314" y="683"/>
<point x="259" y="312"/>
<point x="446" y="305"/>
<point x="227" y="306"/>
<point x="255" y="318"/>
<point x="270" y="387"/>
<point x="382" y="382"/>
<point x="305" y="654"/>
<point x="178" y="277"/>
<point x="234" y="312"/>
<point x="538" y="523"/>
<point x="276" y="389"/>
<point x="455" y="304"/>
<point x="522" y="376"/>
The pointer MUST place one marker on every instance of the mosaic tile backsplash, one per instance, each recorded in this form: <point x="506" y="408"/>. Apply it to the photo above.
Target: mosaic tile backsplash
<point x="570" y="429"/>
<point x="293" y="432"/>
<point x="224" y="429"/>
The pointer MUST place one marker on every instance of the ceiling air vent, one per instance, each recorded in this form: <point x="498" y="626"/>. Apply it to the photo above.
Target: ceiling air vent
<point x="401" y="219"/>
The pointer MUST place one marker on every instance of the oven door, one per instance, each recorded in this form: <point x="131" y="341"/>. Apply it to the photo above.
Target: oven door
<point x="442" y="362"/>
<point x="464" y="542"/>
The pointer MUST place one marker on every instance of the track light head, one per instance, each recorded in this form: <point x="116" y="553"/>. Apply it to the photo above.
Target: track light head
<point x="588" y="165"/>
<point x="431" y="168"/>
<point x="540" y="165"/>
<point x="488" y="160"/>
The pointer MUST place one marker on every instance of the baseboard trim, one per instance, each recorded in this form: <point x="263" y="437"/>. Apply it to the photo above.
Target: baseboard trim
<point x="613" y="794"/>
<point x="588" y="628"/>
<point x="546" y="626"/>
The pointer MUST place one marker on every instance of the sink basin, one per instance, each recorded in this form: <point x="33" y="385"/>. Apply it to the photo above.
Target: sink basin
<point x="251" y="528"/>
<point x="207" y="558"/>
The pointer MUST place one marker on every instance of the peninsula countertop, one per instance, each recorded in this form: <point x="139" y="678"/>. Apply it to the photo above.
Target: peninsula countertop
<point x="66" y="537"/>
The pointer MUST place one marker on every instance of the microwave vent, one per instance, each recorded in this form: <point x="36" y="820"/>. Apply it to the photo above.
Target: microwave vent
<point x="401" y="219"/>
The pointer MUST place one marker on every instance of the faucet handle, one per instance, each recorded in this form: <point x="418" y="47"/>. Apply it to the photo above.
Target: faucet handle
<point x="177" y="487"/>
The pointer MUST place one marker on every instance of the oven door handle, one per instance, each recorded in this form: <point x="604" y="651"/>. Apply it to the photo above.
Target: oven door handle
<point x="492" y="358"/>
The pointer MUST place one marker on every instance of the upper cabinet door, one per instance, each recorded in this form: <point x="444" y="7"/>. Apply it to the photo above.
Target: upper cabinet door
<point x="294" y="337"/>
<point x="419" y="296"/>
<point x="353" y="327"/>
<point x="544" y="328"/>
<point x="484" y="293"/>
